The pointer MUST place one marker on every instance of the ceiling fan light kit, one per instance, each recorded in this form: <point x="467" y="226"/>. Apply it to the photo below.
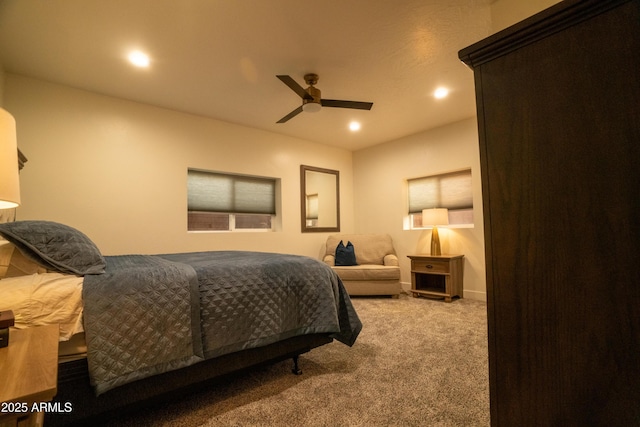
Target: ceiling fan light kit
<point x="311" y="98"/>
<point x="311" y="107"/>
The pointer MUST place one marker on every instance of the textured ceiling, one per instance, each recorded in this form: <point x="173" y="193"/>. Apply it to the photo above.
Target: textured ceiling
<point x="220" y="58"/>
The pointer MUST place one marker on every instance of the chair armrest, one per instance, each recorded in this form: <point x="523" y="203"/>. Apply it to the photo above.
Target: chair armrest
<point x="330" y="260"/>
<point x="391" y="260"/>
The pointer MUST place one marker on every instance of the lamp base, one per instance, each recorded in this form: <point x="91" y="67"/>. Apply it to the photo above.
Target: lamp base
<point x="435" y="242"/>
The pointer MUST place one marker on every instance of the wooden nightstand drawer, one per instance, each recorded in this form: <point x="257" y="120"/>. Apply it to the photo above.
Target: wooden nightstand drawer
<point x="429" y="266"/>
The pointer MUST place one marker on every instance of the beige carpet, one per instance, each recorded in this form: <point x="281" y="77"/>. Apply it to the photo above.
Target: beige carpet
<point x="417" y="362"/>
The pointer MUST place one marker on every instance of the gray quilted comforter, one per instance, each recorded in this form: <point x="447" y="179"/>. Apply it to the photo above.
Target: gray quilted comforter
<point x="151" y="314"/>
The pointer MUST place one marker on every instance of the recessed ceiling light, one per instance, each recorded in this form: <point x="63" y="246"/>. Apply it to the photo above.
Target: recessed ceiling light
<point x="139" y="59"/>
<point x="354" y="126"/>
<point x="441" y="92"/>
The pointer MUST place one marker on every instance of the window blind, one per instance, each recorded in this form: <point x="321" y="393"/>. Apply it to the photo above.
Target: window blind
<point x="312" y="206"/>
<point x="451" y="190"/>
<point x="220" y="192"/>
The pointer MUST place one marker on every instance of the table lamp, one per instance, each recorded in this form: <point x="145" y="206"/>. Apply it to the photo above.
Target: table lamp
<point x="9" y="182"/>
<point x="435" y="217"/>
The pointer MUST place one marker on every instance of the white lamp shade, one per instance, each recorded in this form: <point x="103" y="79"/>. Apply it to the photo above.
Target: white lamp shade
<point x="436" y="216"/>
<point x="9" y="181"/>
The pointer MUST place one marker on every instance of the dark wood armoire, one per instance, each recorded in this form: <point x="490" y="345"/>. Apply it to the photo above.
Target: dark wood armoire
<point x="558" y="102"/>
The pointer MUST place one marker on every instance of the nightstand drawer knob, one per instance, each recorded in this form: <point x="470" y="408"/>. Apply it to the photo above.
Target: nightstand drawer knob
<point x="429" y="266"/>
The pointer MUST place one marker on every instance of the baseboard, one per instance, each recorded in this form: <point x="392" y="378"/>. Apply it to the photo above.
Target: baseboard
<point x="406" y="287"/>
<point x="475" y="295"/>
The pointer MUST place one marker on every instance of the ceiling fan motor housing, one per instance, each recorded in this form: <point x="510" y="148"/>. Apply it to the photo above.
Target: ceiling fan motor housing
<point x="312" y="105"/>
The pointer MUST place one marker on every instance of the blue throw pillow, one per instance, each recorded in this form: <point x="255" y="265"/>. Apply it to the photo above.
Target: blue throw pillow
<point x="345" y="255"/>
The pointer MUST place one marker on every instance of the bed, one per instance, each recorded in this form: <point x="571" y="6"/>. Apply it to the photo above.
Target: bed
<point x="139" y="327"/>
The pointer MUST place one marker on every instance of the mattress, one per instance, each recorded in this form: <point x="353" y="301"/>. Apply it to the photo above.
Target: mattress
<point x="73" y="349"/>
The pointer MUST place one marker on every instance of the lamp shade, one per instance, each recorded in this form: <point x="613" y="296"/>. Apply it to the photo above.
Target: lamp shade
<point x="9" y="182"/>
<point x="435" y="216"/>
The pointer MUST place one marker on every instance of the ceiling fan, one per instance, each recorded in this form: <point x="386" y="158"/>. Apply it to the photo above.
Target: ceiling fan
<point x="311" y="100"/>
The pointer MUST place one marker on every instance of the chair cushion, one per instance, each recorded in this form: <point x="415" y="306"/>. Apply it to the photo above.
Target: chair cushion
<point x="368" y="272"/>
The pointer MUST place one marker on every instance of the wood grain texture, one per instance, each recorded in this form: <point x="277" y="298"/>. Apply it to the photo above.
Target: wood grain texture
<point x="559" y="145"/>
<point x="437" y="276"/>
<point x="29" y="365"/>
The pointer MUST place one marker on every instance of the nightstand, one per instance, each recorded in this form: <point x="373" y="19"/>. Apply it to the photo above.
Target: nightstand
<point x="437" y="276"/>
<point x="29" y="372"/>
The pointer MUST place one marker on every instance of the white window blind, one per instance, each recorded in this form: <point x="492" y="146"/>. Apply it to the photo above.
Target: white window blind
<point x="312" y="206"/>
<point x="219" y="192"/>
<point x="451" y="190"/>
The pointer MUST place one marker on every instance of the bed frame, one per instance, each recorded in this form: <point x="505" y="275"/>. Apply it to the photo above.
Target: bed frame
<point x="74" y="387"/>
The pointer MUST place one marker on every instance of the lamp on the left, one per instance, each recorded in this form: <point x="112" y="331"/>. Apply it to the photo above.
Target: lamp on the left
<point x="9" y="181"/>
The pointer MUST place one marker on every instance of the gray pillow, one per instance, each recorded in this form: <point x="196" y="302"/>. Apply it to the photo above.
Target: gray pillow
<point x="55" y="246"/>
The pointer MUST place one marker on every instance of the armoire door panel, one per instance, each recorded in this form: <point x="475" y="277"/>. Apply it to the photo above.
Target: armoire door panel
<point x="559" y="127"/>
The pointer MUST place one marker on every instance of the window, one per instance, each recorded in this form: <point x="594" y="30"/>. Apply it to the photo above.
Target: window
<point x="449" y="190"/>
<point x="226" y="202"/>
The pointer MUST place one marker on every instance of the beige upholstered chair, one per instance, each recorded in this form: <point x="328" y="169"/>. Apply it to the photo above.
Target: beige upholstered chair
<point x="377" y="272"/>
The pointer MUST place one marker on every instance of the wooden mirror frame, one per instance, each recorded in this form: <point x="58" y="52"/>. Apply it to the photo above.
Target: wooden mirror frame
<point x="303" y="199"/>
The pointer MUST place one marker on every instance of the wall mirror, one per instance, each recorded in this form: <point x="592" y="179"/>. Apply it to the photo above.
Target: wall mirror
<point x="319" y="199"/>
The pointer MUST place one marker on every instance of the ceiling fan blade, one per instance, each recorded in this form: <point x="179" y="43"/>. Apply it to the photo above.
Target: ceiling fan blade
<point x="295" y="87"/>
<point x="346" y="104"/>
<point x="291" y="115"/>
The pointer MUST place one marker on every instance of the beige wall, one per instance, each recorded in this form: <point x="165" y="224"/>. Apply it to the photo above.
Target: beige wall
<point x="1" y="85"/>
<point x="380" y="189"/>
<point x="117" y="170"/>
<point x="505" y="13"/>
